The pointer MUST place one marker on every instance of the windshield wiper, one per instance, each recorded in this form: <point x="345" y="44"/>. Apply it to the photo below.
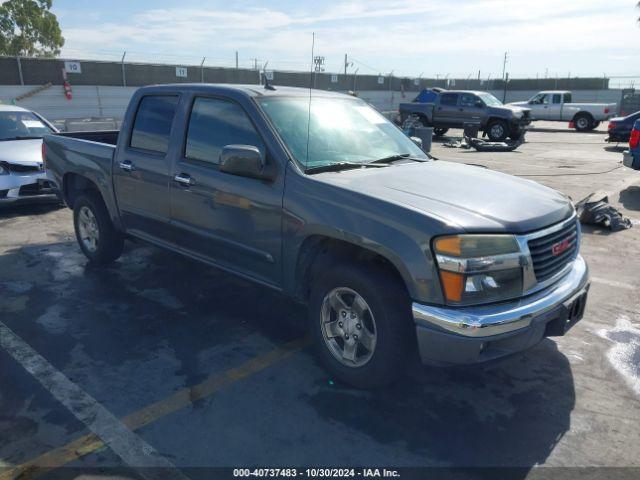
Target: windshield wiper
<point x="336" y="167"/>
<point x="398" y="156"/>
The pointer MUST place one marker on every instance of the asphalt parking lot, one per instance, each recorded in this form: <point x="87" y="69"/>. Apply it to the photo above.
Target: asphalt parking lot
<point x="177" y="366"/>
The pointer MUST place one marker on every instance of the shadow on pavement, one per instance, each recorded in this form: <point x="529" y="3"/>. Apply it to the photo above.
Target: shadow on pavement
<point x="155" y="322"/>
<point x="630" y="198"/>
<point x="25" y="209"/>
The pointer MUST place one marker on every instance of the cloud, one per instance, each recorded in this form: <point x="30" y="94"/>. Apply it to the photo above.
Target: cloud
<point x="408" y="36"/>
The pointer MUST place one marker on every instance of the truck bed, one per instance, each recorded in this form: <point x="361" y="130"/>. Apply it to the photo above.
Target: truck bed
<point x="87" y="154"/>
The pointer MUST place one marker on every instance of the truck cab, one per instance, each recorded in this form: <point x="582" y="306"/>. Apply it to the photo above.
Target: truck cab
<point x="548" y="105"/>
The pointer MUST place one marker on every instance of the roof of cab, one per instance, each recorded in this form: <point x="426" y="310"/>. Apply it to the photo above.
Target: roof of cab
<point x="11" y="108"/>
<point x="249" y="90"/>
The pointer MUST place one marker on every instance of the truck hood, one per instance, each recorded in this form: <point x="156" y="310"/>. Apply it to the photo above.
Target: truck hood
<point x="468" y="197"/>
<point x="516" y="111"/>
<point x="21" y="152"/>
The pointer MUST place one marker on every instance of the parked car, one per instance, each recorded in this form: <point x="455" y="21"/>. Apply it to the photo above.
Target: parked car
<point x="22" y="176"/>
<point x="390" y="251"/>
<point x="619" y="128"/>
<point x="556" y="106"/>
<point x="631" y="157"/>
<point x="444" y="109"/>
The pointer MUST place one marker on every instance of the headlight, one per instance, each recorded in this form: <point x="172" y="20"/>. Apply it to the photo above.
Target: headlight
<point x="3" y="170"/>
<point x="479" y="268"/>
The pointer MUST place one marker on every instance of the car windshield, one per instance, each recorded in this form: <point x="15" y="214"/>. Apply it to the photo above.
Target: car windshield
<point x="342" y="130"/>
<point x="489" y="100"/>
<point x="17" y="125"/>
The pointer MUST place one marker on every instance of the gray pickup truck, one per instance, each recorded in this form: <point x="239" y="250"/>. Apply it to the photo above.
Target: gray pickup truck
<point x="318" y="196"/>
<point x="444" y="109"/>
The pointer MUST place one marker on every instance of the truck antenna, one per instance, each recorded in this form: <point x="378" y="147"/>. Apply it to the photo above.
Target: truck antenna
<point x="267" y="85"/>
<point x="313" y="43"/>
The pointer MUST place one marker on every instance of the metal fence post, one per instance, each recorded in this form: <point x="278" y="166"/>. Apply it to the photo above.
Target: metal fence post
<point x="20" y="69"/>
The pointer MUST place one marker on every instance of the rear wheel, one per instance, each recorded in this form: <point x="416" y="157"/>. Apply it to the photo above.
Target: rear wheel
<point x="583" y="122"/>
<point x="497" y="130"/>
<point x="98" y="238"/>
<point x="361" y="324"/>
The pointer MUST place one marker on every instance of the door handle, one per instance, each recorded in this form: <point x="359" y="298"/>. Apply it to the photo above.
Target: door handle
<point x="184" y="179"/>
<point x="127" y="166"/>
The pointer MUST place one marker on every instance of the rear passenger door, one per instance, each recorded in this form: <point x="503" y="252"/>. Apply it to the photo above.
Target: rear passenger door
<point x="554" y="109"/>
<point x="141" y="171"/>
<point x="446" y="111"/>
<point x="232" y="221"/>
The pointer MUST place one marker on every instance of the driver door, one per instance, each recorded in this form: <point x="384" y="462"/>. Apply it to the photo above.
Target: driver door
<point x="539" y="106"/>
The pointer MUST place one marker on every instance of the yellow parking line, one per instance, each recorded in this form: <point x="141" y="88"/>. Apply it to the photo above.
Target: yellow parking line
<point x="90" y="443"/>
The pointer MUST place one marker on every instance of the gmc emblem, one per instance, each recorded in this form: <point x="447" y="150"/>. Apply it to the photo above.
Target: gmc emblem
<point x="560" y="247"/>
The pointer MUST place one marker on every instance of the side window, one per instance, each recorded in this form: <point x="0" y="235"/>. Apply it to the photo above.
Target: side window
<point x="213" y="125"/>
<point x="540" y="99"/>
<point x="467" y="100"/>
<point x="449" y="99"/>
<point x="567" y="98"/>
<point x="153" y="121"/>
<point x="556" y="98"/>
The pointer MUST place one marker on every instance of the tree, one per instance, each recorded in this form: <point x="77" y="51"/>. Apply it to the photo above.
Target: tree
<point x="28" y="28"/>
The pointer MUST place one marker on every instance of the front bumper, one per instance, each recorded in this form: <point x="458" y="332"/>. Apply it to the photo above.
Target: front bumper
<point x="476" y="334"/>
<point x="27" y="186"/>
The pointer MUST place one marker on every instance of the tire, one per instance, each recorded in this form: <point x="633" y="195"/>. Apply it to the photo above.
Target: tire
<point x="583" y="122"/>
<point x="439" y="131"/>
<point x="497" y="130"/>
<point x="595" y="125"/>
<point x="98" y="238"/>
<point x="516" y="134"/>
<point x="378" y="359"/>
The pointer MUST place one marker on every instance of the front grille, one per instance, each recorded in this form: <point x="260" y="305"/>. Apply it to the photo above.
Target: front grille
<point x="550" y="255"/>
<point x="12" y="167"/>
<point x="35" y="189"/>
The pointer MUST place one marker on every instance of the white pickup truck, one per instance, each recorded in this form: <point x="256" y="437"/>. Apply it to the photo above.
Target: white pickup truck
<point x="556" y="105"/>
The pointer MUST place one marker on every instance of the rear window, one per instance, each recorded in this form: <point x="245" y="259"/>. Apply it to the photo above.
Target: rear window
<point x="153" y="121"/>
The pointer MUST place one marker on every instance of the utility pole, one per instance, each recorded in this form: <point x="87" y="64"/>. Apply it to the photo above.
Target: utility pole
<point x="346" y="63"/>
<point x="202" y="70"/>
<point x="504" y="94"/>
<point x="236" y="59"/>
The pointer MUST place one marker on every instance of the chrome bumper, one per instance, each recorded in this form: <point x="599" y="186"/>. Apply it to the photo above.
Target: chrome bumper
<point x="473" y="327"/>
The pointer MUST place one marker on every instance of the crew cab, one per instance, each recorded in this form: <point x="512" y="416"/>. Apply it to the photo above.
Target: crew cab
<point x="318" y="196"/>
<point x="444" y="109"/>
<point x="22" y="176"/>
<point x="557" y="106"/>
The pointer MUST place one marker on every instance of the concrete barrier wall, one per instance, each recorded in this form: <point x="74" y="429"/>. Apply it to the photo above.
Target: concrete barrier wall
<point x="93" y="101"/>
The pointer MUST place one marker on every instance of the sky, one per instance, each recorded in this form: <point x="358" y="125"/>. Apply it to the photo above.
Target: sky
<point x="407" y="37"/>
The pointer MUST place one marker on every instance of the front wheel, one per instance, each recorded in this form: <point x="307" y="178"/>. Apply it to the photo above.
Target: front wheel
<point x="439" y="131"/>
<point x="497" y="130"/>
<point x="361" y="324"/>
<point x="98" y="239"/>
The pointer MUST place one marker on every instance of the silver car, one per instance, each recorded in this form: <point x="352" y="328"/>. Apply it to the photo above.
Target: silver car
<point x="22" y="175"/>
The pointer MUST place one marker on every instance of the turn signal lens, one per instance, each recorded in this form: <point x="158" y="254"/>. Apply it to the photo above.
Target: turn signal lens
<point x="471" y="246"/>
<point x="452" y="284"/>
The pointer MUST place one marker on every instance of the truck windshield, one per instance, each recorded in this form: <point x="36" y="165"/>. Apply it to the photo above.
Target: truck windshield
<point x="19" y="125"/>
<point x="489" y="100"/>
<point x="342" y="131"/>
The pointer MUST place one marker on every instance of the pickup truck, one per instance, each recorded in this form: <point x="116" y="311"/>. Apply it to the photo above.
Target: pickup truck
<point x="444" y="109"/>
<point x="318" y="196"/>
<point x="22" y="176"/>
<point x="556" y="106"/>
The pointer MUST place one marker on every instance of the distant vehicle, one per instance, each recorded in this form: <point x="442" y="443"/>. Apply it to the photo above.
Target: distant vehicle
<point x="330" y="204"/>
<point x="631" y="157"/>
<point x="22" y="176"/>
<point x="556" y="106"/>
<point x="619" y="128"/>
<point x="444" y="109"/>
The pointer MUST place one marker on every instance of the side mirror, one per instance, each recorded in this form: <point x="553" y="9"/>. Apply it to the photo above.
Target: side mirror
<point x="243" y="161"/>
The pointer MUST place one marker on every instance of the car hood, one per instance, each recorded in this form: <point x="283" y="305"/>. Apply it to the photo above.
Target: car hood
<point x="21" y="152"/>
<point x="467" y="197"/>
